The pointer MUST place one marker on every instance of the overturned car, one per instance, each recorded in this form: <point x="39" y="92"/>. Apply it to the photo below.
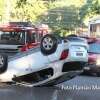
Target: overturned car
<point x="54" y="61"/>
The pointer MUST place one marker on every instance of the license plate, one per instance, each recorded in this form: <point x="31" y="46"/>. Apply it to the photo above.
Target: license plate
<point x="79" y="54"/>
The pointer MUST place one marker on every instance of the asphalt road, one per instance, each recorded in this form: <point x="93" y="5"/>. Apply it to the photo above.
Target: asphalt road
<point x="79" y="88"/>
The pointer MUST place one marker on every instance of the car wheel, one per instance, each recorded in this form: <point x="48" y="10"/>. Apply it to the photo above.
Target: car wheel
<point x="48" y="44"/>
<point x="3" y="63"/>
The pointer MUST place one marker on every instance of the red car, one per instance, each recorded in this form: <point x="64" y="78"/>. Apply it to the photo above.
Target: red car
<point x="94" y="57"/>
<point x="21" y="36"/>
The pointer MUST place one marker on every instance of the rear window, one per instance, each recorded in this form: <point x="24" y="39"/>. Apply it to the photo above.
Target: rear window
<point x="94" y="47"/>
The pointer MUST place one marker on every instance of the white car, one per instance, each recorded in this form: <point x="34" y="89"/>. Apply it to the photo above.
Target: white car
<point x="55" y="61"/>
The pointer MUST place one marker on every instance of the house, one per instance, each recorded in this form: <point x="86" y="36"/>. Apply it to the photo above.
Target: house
<point x="94" y="26"/>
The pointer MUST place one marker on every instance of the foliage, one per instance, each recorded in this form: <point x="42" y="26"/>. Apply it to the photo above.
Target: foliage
<point x="63" y="16"/>
<point x="28" y="11"/>
<point x="91" y="8"/>
<point x="1" y="9"/>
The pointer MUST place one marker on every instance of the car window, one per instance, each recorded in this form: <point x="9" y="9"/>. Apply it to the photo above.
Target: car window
<point x="38" y="37"/>
<point x="33" y="37"/>
<point x="12" y="38"/>
<point x="94" y="47"/>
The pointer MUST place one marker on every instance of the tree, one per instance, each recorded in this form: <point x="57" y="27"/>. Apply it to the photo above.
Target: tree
<point x="62" y="15"/>
<point x="1" y="9"/>
<point x="28" y="10"/>
<point x="91" y="8"/>
<point x="96" y="7"/>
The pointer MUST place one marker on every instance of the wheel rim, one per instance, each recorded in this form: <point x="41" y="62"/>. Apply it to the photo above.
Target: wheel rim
<point x="47" y="43"/>
<point x="1" y="61"/>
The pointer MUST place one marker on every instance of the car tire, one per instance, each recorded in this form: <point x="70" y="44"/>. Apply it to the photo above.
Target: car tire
<point x="3" y="63"/>
<point x="48" y="44"/>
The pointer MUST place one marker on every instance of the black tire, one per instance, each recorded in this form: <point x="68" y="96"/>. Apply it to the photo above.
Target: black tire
<point x="48" y="48"/>
<point x="3" y="63"/>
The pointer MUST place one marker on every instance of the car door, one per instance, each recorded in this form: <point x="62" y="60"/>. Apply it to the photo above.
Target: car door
<point x="18" y="65"/>
<point x="37" y="60"/>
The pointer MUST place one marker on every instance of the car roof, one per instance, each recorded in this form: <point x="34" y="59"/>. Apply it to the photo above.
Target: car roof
<point x="11" y="28"/>
<point x="26" y="24"/>
<point x="14" y="26"/>
<point x="19" y="26"/>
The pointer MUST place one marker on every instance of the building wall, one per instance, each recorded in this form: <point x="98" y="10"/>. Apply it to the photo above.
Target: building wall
<point x="98" y="28"/>
<point x="94" y="28"/>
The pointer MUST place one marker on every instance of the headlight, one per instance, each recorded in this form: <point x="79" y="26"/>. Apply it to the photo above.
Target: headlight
<point x="98" y="62"/>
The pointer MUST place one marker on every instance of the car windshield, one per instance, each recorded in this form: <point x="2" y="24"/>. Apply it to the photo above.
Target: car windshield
<point x="12" y="38"/>
<point x="94" y="47"/>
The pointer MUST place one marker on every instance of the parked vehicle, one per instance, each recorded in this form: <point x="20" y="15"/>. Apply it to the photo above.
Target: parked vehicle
<point x="93" y="66"/>
<point x="55" y="61"/>
<point x="19" y="36"/>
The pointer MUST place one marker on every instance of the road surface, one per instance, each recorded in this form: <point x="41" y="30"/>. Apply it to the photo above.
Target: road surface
<point x="79" y="88"/>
